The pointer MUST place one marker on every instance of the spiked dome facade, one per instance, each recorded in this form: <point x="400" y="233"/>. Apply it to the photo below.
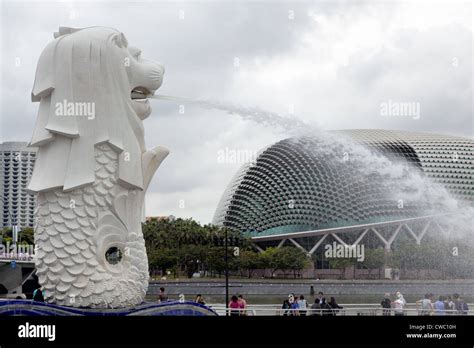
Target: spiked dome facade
<point x="293" y="187"/>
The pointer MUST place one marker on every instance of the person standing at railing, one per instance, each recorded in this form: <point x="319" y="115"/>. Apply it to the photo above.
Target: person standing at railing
<point x="243" y="305"/>
<point x="387" y="305"/>
<point x="465" y="308"/>
<point x="426" y="305"/>
<point x="450" y="305"/>
<point x="440" y="306"/>
<point x="316" y="307"/>
<point x="461" y="306"/>
<point x="335" y="307"/>
<point x="234" y="306"/>
<point x="321" y="297"/>
<point x="399" y="304"/>
<point x="302" y="305"/>
<point x="293" y="305"/>
<point x="162" y="297"/>
<point x="286" y="308"/>
<point x="325" y="307"/>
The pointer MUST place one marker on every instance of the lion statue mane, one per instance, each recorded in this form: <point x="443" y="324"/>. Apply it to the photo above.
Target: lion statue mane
<point x="92" y="168"/>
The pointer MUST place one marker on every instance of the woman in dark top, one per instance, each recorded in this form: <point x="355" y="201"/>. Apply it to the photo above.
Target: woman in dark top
<point x="316" y="307"/>
<point x="386" y="305"/>
<point x="335" y="307"/>
<point x="286" y="306"/>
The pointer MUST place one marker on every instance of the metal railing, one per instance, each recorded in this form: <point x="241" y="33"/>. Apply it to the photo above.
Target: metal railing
<point x="350" y="309"/>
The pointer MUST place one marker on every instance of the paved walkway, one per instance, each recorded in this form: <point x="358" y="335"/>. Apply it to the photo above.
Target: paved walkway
<point x="339" y="287"/>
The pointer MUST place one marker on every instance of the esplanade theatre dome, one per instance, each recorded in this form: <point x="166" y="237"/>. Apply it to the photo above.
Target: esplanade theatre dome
<point x="307" y="183"/>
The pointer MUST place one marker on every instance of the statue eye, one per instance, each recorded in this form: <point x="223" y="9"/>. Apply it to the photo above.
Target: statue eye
<point x="120" y="40"/>
<point x="135" y="52"/>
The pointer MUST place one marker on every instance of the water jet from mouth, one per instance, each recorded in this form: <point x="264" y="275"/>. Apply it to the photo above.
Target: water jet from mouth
<point x="266" y="118"/>
<point x="404" y="182"/>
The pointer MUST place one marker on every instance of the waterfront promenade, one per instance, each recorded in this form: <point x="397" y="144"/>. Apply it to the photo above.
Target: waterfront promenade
<point x="281" y="287"/>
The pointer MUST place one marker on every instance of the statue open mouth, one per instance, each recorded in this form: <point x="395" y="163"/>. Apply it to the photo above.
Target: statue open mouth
<point x="140" y="93"/>
<point x="141" y="105"/>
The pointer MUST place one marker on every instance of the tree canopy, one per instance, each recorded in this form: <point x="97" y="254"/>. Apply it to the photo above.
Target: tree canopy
<point x="183" y="246"/>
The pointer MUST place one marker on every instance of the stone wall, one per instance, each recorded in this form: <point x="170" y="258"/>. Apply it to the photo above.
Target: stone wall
<point x="279" y="287"/>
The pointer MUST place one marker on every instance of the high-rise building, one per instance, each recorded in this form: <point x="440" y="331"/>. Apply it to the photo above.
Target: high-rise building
<point x="17" y="206"/>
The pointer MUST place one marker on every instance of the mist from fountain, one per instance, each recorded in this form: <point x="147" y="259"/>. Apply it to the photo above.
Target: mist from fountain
<point x="403" y="182"/>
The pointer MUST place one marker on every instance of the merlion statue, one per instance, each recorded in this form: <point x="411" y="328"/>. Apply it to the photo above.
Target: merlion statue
<point x="92" y="168"/>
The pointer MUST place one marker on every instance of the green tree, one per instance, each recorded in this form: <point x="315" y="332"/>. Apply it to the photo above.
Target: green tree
<point x="374" y="259"/>
<point x="250" y="260"/>
<point x="270" y="260"/>
<point x="190" y="256"/>
<point x="185" y="246"/>
<point x="5" y="233"/>
<point x="162" y="259"/>
<point x="215" y="260"/>
<point x="339" y="262"/>
<point x="26" y="236"/>
<point x="293" y="259"/>
<point x="285" y="258"/>
<point x="430" y="254"/>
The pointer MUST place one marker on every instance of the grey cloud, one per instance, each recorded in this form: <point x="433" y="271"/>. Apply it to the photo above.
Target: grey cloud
<point x="198" y="53"/>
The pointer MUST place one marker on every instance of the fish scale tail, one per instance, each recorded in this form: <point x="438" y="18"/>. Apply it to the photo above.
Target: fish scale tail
<point x="73" y="234"/>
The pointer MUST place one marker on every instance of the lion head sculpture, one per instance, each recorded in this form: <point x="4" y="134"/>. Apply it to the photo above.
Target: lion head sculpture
<point x="94" y="75"/>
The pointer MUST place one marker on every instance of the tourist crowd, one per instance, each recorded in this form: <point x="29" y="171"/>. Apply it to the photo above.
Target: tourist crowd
<point x="298" y="306"/>
<point x="444" y="305"/>
<point x="237" y="304"/>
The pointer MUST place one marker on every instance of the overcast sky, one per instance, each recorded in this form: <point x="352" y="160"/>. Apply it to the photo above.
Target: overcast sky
<point x="331" y="64"/>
